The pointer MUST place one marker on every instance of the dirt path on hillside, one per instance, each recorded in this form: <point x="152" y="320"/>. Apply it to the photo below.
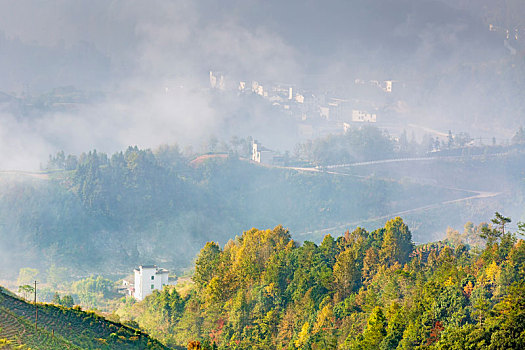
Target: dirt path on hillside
<point x="478" y="195"/>
<point x="473" y="195"/>
<point x="33" y="174"/>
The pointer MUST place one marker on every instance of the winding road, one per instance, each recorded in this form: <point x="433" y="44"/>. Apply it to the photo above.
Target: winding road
<point x="473" y="195"/>
<point x="478" y="195"/>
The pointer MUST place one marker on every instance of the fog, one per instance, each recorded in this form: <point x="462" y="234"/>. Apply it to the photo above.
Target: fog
<point x="105" y="75"/>
<point x="151" y="60"/>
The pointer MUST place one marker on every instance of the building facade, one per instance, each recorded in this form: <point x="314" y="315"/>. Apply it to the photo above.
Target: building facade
<point x="147" y="279"/>
<point x="261" y="154"/>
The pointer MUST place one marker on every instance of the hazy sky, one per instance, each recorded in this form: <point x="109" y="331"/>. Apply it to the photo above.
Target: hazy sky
<point x="133" y="50"/>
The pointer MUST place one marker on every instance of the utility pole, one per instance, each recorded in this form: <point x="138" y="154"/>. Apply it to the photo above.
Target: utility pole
<point x="36" y="310"/>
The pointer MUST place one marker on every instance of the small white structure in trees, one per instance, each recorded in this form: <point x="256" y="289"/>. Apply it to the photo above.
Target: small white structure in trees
<point x="262" y="154"/>
<point x="147" y="279"/>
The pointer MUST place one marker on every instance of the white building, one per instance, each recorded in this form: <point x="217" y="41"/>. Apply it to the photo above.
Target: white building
<point x="216" y="81"/>
<point x="255" y="86"/>
<point x="213" y="80"/>
<point x="242" y="85"/>
<point x="261" y="154"/>
<point x="388" y="86"/>
<point x="362" y="116"/>
<point x="147" y="279"/>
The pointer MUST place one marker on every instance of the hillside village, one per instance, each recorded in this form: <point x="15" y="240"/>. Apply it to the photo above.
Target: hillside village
<point x="319" y="112"/>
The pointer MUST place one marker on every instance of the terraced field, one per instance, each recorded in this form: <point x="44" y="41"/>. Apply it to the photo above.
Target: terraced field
<point x="18" y="332"/>
<point x="63" y="328"/>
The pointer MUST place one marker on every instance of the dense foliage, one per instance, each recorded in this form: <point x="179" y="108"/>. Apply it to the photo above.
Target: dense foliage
<point x="357" y="144"/>
<point x="369" y="143"/>
<point x="143" y="206"/>
<point x="363" y="290"/>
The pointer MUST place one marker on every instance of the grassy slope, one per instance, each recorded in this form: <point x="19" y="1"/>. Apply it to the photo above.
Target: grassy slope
<point x="63" y="328"/>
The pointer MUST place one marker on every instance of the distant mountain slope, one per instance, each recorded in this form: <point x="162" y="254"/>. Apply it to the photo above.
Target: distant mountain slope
<point x="61" y="328"/>
<point x="111" y="213"/>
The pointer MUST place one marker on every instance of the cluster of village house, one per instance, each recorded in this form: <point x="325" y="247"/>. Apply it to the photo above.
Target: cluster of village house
<point x="338" y="114"/>
<point x="304" y="105"/>
<point x="147" y="278"/>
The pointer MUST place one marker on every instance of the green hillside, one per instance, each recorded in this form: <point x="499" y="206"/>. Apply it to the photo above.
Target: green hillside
<point x="360" y="291"/>
<point x="111" y="212"/>
<point x="63" y="328"/>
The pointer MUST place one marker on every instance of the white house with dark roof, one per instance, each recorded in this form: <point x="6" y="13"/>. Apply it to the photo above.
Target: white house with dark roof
<point x="147" y="279"/>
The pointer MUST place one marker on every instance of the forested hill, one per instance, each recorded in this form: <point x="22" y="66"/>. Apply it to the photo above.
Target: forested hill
<point x="63" y="328"/>
<point x="362" y="290"/>
<point x="98" y="213"/>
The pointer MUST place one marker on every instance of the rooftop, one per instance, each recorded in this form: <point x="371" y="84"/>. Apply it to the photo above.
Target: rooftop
<point x="159" y="270"/>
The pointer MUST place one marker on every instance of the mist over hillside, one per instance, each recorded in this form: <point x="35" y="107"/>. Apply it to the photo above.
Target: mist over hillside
<point x="382" y="140"/>
<point x="432" y="76"/>
<point x="104" y="213"/>
<point x="150" y="62"/>
<point x="113" y="212"/>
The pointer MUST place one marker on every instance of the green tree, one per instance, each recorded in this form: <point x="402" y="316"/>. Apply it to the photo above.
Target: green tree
<point x="490" y="234"/>
<point x="26" y="290"/>
<point x="206" y="263"/>
<point x="397" y="242"/>
<point x="501" y="221"/>
<point x="67" y="301"/>
<point x="346" y="274"/>
<point x="56" y="299"/>
<point x="324" y="328"/>
<point x="510" y="332"/>
<point x="94" y="285"/>
<point x="395" y="329"/>
<point x="375" y="330"/>
<point x="329" y="249"/>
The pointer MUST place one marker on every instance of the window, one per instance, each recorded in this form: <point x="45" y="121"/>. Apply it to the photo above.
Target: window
<point x="152" y="286"/>
<point x="152" y="277"/>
